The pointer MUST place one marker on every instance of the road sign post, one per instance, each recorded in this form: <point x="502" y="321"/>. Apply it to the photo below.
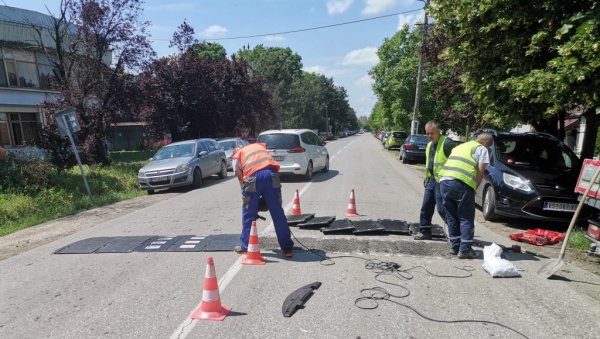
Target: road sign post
<point x="67" y="123"/>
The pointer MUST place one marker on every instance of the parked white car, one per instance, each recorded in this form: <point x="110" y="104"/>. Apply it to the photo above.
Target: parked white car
<point x="298" y="151"/>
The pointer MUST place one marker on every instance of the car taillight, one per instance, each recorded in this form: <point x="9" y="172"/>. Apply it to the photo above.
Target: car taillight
<point x="297" y="150"/>
<point x="409" y="146"/>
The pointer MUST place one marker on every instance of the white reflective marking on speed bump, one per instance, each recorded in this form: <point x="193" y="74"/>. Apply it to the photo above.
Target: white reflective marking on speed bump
<point x="158" y="242"/>
<point x="187" y="246"/>
<point x="199" y="237"/>
<point x="192" y="241"/>
<point x="152" y="247"/>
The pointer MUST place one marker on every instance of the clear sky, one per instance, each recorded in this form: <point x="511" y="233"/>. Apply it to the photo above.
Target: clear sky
<point x="344" y="53"/>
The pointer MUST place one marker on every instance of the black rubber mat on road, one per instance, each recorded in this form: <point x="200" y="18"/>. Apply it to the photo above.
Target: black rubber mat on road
<point x="157" y="244"/>
<point x="294" y="220"/>
<point x="367" y="227"/>
<point x="122" y="244"/>
<point x="317" y="222"/>
<point x="189" y="243"/>
<point x="395" y="226"/>
<point x="221" y="242"/>
<point x="437" y="231"/>
<point x="339" y="226"/>
<point x="85" y="246"/>
<point x="181" y="243"/>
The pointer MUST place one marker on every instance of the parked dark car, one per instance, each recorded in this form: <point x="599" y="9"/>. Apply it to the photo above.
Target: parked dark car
<point x="413" y="148"/>
<point x="530" y="175"/>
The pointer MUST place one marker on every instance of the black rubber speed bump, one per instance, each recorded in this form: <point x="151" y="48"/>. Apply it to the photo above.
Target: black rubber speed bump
<point x="317" y="222"/>
<point x="85" y="246"/>
<point x="338" y="226"/>
<point x="437" y="231"/>
<point x="189" y="243"/>
<point x="367" y="227"/>
<point x="157" y="244"/>
<point x="294" y="220"/>
<point x="221" y="242"/>
<point x="395" y="226"/>
<point x="122" y="244"/>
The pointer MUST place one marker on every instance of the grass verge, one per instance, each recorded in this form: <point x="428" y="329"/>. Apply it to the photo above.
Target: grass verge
<point x="66" y="194"/>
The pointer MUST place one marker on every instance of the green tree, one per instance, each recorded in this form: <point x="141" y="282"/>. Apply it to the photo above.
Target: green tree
<point x="525" y="61"/>
<point x="395" y="82"/>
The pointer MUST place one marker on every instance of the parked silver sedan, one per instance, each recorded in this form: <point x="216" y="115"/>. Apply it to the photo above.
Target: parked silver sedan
<point x="230" y="145"/>
<point x="183" y="163"/>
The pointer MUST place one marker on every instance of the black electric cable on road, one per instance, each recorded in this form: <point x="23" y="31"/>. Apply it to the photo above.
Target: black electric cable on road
<point x="370" y="297"/>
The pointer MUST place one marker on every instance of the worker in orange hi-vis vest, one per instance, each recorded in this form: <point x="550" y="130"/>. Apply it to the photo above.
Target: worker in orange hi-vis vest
<point x="258" y="175"/>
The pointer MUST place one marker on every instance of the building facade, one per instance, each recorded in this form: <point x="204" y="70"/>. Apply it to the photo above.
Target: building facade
<point x="25" y="74"/>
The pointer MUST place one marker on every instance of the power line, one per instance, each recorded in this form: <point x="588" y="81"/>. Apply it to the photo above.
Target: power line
<point x="311" y="28"/>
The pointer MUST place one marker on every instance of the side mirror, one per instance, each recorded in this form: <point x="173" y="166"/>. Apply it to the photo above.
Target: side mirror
<point x="150" y="159"/>
<point x="201" y="154"/>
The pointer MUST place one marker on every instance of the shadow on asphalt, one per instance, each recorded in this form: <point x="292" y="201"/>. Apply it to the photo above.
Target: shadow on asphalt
<point x="317" y="177"/>
<point x="561" y="278"/>
<point x="206" y="182"/>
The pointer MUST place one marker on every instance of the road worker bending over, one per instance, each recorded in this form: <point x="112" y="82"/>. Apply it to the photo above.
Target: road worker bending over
<point x="258" y="175"/>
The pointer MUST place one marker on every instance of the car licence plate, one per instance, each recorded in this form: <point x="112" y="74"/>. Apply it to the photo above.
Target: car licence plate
<point x="278" y="157"/>
<point x="157" y="179"/>
<point x="559" y="206"/>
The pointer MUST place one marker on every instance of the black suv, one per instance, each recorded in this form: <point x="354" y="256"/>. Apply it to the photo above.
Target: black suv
<point x="531" y="175"/>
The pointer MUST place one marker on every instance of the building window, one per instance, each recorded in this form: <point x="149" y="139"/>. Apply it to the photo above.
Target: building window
<point x="4" y="135"/>
<point x="3" y="82"/>
<point x="46" y="70"/>
<point x="23" y="127"/>
<point x="21" y="68"/>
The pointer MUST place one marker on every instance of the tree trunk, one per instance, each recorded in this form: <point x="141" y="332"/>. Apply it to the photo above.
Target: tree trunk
<point x="589" y="137"/>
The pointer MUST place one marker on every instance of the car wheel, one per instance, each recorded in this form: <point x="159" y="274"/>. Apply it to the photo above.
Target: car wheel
<point x="197" y="178"/>
<point x="150" y="192"/>
<point x="401" y="155"/>
<point x="326" y="168"/>
<point x="309" y="170"/>
<point x="404" y="160"/>
<point x="223" y="173"/>
<point x="489" y="204"/>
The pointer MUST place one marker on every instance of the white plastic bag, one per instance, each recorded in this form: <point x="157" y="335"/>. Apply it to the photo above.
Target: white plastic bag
<point x="495" y="265"/>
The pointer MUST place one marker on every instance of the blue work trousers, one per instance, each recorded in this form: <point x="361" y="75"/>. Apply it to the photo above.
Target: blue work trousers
<point x="459" y="203"/>
<point x="432" y="198"/>
<point x="264" y="183"/>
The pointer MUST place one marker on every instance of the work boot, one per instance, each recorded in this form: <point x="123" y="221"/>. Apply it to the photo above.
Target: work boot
<point x="239" y="250"/>
<point x="422" y="236"/>
<point x="453" y="251"/>
<point x="469" y="254"/>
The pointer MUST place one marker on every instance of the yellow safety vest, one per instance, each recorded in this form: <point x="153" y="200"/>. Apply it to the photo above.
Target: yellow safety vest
<point x="461" y="165"/>
<point x="438" y="159"/>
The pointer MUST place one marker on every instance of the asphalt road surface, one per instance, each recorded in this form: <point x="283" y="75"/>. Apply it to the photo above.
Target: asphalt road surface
<point x="152" y="295"/>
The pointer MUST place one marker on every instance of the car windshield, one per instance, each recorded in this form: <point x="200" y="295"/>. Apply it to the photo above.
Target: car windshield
<point x="535" y="152"/>
<point x="227" y="145"/>
<point x="419" y="139"/>
<point x="174" y="151"/>
<point x="279" y="141"/>
<point x="399" y="135"/>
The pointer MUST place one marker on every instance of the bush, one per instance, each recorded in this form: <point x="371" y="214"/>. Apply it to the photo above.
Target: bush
<point x="24" y="173"/>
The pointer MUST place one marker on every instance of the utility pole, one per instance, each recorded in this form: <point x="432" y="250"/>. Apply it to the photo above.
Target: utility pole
<point x="414" y="126"/>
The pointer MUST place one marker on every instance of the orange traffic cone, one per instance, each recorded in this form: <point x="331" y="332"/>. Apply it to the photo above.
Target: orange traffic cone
<point x="253" y="256"/>
<point x="210" y="307"/>
<point x="296" y="204"/>
<point x="351" y="211"/>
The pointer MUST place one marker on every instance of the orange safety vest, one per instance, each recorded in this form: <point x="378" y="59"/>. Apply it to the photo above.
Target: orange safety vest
<point x="253" y="158"/>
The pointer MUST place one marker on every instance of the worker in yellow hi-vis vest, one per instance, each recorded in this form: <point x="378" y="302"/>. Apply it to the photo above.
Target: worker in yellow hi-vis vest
<point x="459" y="178"/>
